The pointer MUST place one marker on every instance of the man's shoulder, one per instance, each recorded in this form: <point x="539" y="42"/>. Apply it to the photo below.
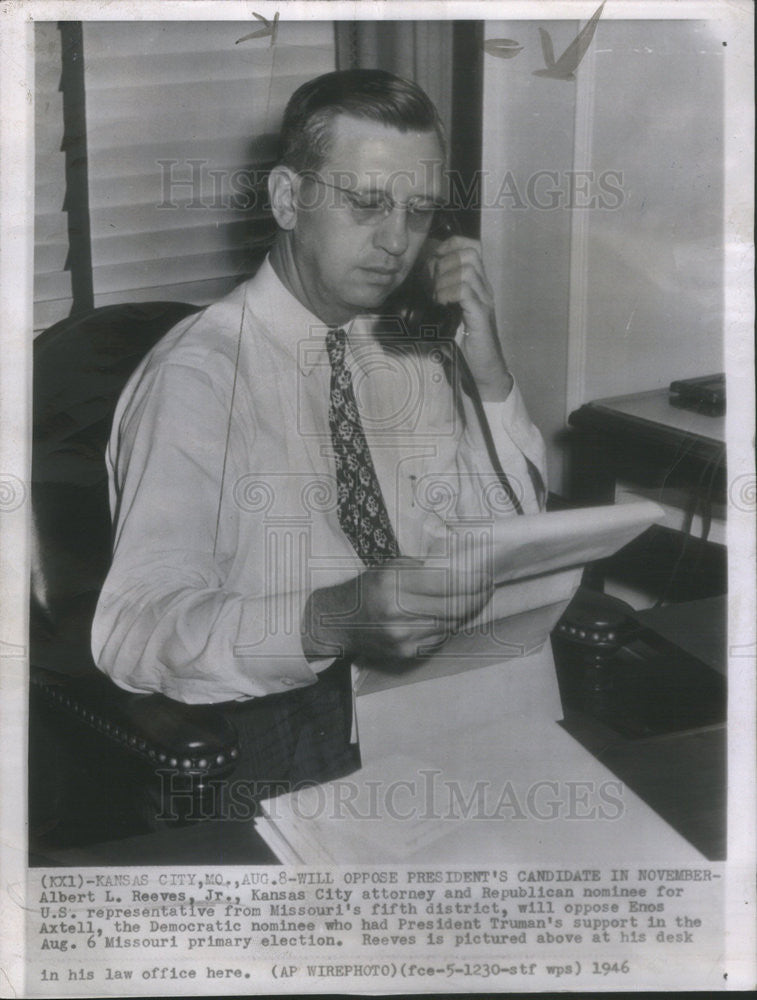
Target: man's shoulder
<point x="206" y="340"/>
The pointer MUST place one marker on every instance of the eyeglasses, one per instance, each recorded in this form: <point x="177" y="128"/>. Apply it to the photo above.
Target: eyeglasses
<point x="370" y="208"/>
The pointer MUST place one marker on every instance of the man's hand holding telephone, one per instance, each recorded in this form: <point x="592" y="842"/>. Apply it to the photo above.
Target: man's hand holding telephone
<point x="389" y="613"/>
<point x="457" y="276"/>
<point x="447" y="286"/>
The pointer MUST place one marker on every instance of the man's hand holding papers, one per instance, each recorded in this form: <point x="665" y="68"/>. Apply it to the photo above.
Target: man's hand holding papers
<point x="536" y="562"/>
<point x="474" y="574"/>
<point x="395" y="611"/>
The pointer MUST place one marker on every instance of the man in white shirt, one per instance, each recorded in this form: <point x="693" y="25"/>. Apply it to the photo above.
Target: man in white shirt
<point x="236" y="574"/>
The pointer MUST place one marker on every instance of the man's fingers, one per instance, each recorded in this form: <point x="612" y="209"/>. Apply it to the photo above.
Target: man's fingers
<point x="447" y="612"/>
<point x="465" y="286"/>
<point x="407" y="600"/>
<point x="446" y="260"/>
<point x="450" y="578"/>
<point x="466" y="262"/>
<point x="446" y="606"/>
<point x="457" y="244"/>
<point x="466" y="571"/>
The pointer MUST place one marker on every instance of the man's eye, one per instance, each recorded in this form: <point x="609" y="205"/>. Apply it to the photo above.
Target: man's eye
<point x="367" y="204"/>
<point x="421" y="211"/>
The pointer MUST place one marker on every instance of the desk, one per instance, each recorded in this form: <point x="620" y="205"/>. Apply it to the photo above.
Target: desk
<point x="644" y="445"/>
<point x="660" y="726"/>
<point x="640" y="434"/>
<point x="679" y="773"/>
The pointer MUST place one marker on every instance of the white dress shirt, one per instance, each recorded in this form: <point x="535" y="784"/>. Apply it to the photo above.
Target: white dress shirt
<point x="223" y="490"/>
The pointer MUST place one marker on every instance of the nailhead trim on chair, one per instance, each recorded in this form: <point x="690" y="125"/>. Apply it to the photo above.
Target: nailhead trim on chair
<point x="204" y="765"/>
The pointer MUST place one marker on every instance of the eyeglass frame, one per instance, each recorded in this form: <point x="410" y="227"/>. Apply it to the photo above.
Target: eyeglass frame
<point x="419" y="220"/>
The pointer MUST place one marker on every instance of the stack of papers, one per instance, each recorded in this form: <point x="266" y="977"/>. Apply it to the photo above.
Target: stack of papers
<point x="508" y="790"/>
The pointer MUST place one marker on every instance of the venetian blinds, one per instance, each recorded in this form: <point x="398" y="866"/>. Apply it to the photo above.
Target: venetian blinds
<point x="52" y="280"/>
<point x="181" y="123"/>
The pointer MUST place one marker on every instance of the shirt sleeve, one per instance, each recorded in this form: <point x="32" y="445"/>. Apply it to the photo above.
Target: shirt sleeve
<point x="511" y="427"/>
<point x="517" y="441"/>
<point x="165" y="620"/>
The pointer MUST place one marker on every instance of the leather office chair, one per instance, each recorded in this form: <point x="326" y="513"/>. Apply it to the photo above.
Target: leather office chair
<point x="85" y="730"/>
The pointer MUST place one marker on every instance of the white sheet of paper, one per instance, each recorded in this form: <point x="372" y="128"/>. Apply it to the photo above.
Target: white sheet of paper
<point x="502" y="792"/>
<point x="538" y="561"/>
<point x="397" y="719"/>
<point x="535" y="544"/>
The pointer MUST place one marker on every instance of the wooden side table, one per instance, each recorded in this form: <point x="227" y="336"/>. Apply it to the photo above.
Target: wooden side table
<point x="643" y="444"/>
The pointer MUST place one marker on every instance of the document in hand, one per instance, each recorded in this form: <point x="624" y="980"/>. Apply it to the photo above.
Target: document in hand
<point x="536" y="544"/>
<point x="445" y="741"/>
<point x="537" y="561"/>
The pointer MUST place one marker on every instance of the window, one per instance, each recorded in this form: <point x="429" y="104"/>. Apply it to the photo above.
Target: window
<point x="52" y="280"/>
<point x="180" y="124"/>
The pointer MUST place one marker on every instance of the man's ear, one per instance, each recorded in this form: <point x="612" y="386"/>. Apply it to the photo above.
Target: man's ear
<point x="282" y="183"/>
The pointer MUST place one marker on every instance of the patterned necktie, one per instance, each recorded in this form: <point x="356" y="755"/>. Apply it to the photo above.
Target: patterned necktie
<point x="360" y="502"/>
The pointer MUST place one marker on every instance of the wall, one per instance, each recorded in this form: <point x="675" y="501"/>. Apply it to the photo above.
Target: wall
<point x="607" y="271"/>
<point x="529" y="128"/>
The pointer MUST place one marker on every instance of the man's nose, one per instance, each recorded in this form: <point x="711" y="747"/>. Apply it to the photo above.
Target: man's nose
<point x="392" y="235"/>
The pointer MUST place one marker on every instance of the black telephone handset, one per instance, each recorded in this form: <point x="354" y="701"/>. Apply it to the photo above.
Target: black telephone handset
<point x="424" y="321"/>
<point x="413" y="302"/>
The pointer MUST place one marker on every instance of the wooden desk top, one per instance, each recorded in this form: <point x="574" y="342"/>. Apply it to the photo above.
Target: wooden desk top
<point x="697" y="627"/>
<point x="651" y="414"/>
<point x="655" y="407"/>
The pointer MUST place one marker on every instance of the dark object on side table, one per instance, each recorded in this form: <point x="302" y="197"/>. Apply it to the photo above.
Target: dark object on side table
<point x="705" y="394"/>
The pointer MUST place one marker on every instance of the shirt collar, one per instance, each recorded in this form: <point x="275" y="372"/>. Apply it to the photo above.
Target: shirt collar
<point x="293" y="325"/>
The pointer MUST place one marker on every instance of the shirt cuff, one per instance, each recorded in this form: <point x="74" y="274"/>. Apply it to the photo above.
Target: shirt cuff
<point x="510" y="417"/>
<point x="268" y="646"/>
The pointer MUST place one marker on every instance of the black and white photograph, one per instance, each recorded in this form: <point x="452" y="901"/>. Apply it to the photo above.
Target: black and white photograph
<point x="378" y="497"/>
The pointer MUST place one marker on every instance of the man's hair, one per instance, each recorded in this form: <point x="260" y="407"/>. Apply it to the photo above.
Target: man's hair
<point x="371" y="94"/>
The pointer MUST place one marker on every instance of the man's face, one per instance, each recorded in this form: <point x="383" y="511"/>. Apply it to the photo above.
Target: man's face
<point x="355" y="242"/>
